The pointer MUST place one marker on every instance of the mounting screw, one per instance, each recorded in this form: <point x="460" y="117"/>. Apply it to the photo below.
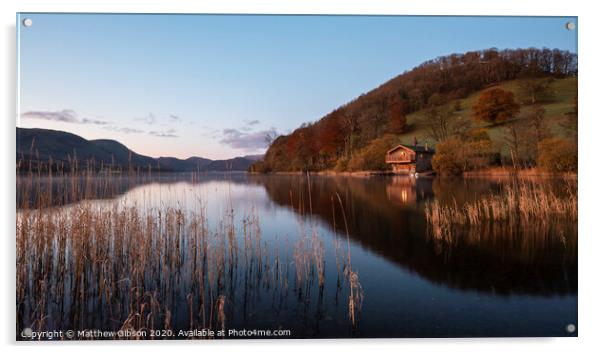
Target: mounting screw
<point x="27" y="22"/>
<point x="570" y="26"/>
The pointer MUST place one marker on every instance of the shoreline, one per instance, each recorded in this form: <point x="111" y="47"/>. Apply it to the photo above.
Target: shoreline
<point x="496" y="172"/>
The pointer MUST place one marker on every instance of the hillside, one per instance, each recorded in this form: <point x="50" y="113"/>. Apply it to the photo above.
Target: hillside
<point x="43" y="145"/>
<point x="398" y="110"/>
<point x="121" y="153"/>
<point x="564" y="91"/>
<point x="188" y="165"/>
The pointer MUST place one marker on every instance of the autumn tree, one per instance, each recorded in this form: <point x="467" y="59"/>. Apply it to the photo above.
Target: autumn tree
<point x="536" y="90"/>
<point x="350" y="123"/>
<point x="372" y="156"/>
<point x="438" y="121"/>
<point x="457" y="154"/>
<point x="536" y="121"/>
<point x="557" y="155"/>
<point x="495" y="106"/>
<point x="397" y="119"/>
<point x="330" y="140"/>
<point x="330" y="136"/>
<point x="449" y="158"/>
<point x="521" y="140"/>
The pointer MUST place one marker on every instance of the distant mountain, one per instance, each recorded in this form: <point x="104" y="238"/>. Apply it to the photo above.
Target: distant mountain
<point x="235" y="164"/>
<point x="190" y="164"/>
<point x="253" y="157"/>
<point x="122" y="154"/>
<point x="44" y="144"/>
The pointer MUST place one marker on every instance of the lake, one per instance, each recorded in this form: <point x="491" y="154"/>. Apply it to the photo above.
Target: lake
<point x="278" y="252"/>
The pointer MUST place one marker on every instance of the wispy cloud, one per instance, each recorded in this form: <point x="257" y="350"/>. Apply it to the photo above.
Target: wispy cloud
<point x="147" y="119"/>
<point x="254" y="141"/>
<point x="93" y="121"/>
<point x="152" y="119"/>
<point x="170" y="133"/>
<point x="250" y="125"/>
<point x="65" y="115"/>
<point x="175" y="119"/>
<point x="125" y="130"/>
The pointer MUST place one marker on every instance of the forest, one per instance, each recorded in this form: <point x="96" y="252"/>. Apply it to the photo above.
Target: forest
<point x="479" y="109"/>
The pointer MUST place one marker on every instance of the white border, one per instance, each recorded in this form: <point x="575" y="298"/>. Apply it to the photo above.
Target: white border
<point x="589" y="144"/>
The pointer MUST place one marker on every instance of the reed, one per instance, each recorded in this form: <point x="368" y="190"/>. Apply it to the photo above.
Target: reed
<point x="356" y="293"/>
<point x="522" y="202"/>
<point x="84" y="264"/>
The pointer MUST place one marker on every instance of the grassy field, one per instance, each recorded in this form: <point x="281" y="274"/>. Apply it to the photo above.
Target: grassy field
<point x="564" y="91"/>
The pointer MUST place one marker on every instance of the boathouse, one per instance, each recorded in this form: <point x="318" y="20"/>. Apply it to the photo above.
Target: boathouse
<point x="410" y="158"/>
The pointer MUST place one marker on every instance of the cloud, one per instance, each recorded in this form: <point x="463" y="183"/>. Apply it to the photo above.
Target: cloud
<point x="249" y="125"/>
<point x="254" y="141"/>
<point x="170" y="133"/>
<point x="152" y="119"/>
<point x="175" y="119"/>
<point x="125" y="130"/>
<point x="65" y="115"/>
<point x="93" y="121"/>
<point x="147" y="119"/>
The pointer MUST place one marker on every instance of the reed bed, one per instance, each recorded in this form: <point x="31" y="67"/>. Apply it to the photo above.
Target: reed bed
<point x="82" y="264"/>
<point x="525" y="204"/>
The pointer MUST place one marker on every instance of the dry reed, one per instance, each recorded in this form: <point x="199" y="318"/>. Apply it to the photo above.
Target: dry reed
<point x="532" y="203"/>
<point x="84" y="264"/>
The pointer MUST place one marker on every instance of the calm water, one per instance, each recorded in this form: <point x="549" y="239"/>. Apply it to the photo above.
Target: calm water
<point x="491" y="283"/>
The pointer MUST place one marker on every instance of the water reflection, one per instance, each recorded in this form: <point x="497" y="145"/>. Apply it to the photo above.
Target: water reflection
<point x="405" y="191"/>
<point x="493" y="272"/>
<point x="386" y="215"/>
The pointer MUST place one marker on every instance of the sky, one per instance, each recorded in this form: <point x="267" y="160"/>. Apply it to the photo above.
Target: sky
<point x="215" y="85"/>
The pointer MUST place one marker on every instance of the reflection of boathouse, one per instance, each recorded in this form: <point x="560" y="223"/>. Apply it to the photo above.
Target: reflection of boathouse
<point x="404" y="190"/>
<point x="410" y="158"/>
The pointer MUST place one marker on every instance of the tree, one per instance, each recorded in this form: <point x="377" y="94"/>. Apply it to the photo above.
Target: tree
<point x="397" y="119"/>
<point x="456" y="155"/>
<point x="372" y="157"/>
<point x="330" y="136"/>
<point x="516" y="140"/>
<point x="557" y="155"/>
<point x="351" y="128"/>
<point x="438" y="122"/>
<point x="536" y="90"/>
<point x="536" y="121"/>
<point x="495" y="106"/>
<point x="448" y="159"/>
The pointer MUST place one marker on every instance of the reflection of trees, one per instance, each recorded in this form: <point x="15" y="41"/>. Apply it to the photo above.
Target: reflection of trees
<point x="386" y="215"/>
<point x="56" y="190"/>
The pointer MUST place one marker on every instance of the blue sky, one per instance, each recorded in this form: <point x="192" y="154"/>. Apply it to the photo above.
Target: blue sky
<point x="214" y="85"/>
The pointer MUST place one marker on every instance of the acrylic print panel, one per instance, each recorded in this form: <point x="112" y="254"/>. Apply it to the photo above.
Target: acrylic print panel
<point x="238" y="176"/>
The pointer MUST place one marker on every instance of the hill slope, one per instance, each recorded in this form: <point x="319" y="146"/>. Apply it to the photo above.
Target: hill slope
<point x="564" y="91"/>
<point x="390" y="113"/>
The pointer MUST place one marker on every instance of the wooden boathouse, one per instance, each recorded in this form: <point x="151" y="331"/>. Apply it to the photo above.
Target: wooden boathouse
<point x="410" y="158"/>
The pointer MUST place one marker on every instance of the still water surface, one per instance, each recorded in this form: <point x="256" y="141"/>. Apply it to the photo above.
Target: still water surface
<point x="496" y="283"/>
